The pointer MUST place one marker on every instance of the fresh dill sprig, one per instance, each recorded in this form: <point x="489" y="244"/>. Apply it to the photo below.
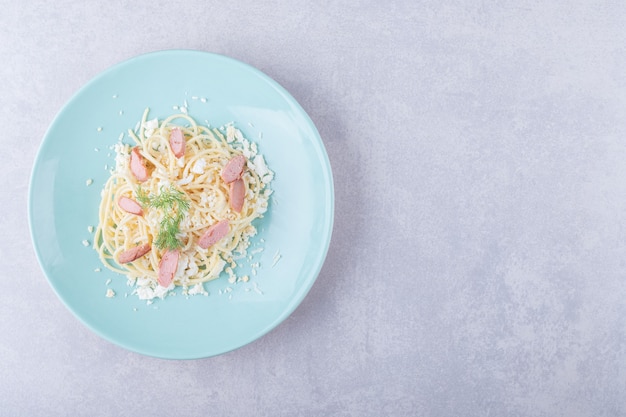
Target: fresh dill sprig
<point x="174" y="205"/>
<point x="143" y="197"/>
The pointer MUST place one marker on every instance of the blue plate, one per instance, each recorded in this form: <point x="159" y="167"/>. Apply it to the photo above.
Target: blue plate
<point x="294" y="234"/>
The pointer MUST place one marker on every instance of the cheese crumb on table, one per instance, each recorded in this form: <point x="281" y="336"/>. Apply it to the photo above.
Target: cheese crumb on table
<point x="110" y="293"/>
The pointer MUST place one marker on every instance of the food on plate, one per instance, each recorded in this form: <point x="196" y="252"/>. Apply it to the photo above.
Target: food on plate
<point x="179" y="206"/>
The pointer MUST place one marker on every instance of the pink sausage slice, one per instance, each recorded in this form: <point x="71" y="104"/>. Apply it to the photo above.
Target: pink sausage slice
<point x="137" y="165"/>
<point x="214" y="234"/>
<point x="133" y="253"/>
<point x="168" y="267"/>
<point x="237" y="194"/>
<point x="130" y="206"/>
<point x="177" y="142"/>
<point x="233" y="169"/>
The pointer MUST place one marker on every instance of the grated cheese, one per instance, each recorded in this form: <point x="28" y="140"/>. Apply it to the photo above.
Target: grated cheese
<point x="198" y="289"/>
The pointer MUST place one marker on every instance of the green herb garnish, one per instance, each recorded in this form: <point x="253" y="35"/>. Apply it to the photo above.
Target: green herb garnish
<point x="174" y="206"/>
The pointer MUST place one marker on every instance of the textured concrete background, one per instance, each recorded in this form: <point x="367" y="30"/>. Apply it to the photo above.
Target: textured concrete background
<point x="478" y="262"/>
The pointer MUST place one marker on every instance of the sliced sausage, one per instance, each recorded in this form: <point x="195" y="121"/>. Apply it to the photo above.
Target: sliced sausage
<point x="130" y="206"/>
<point x="137" y="165"/>
<point x="213" y="234"/>
<point x="237" y="194"/>
<point x="233" y="169"/>
<point x="167" y="267"/>
<point x="177" y="142"/>
<point x="133" y="253"/>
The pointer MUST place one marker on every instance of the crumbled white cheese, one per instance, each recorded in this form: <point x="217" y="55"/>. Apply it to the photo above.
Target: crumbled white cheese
<point x="268" y="178"/>
<point x="85" y="242"/>
<point x="163" y="180"/>
<point x="146" y="289"/>
<point x="110" y="293"/>
<point x="185" y="180"/>
<point x="248" y="150"/>
<point x="260" y="167"/>
<point x="153" y="218"/>
<point x="90" y="229"/>
<point x="199" y="166"/>
<point x="198" y="289"/>
<point x="122" y="158"/>
<point x="261" y="205"/>
<point x="149" y="127"/>
<point x="99" y="129"/>
<point x="183" y="262"/>
<point x="97" y="270"/>
<point x="89" y="182"/>
<point x="192" y="268"/>
<point x="202" y="99"/>
<point x="230" y="133"/>
<point x="218" y="268"/>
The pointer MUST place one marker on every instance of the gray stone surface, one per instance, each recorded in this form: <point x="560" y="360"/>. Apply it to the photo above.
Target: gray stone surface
<point x="478" y="262"/>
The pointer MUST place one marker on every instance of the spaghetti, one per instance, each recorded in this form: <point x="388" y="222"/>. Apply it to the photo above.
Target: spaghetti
<point x="182" y="201"/>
